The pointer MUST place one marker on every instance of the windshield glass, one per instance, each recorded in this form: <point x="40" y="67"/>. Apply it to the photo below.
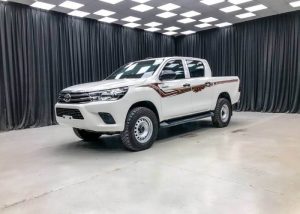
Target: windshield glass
<point x="136" y="70"/>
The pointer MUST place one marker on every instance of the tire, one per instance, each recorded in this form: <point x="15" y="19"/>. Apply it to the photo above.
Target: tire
<point x="222" y="113"/>
<point x="141" y="128"/>
<point x="86" y="135"/>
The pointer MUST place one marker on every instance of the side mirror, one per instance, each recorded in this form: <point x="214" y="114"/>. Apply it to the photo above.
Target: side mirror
<point x="167" y="75"/>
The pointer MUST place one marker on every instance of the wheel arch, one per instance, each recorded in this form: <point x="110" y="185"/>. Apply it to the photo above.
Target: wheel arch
<point x="225" y="95"/>
<point x="147" y="104"/>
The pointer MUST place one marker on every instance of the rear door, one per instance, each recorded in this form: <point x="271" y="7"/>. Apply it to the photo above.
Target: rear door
<point x="202" y="90"/>
<point x="176" y="94"/>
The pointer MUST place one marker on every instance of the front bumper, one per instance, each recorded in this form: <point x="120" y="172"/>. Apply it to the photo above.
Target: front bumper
<point x="91" y="118"/>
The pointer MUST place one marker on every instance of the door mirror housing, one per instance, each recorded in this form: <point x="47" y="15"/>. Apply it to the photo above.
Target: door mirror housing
<point x="167" y="75"/>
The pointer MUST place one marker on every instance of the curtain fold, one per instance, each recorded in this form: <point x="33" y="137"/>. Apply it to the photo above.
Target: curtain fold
<point x="43" y="52"/>
<point x="264" y="53"/>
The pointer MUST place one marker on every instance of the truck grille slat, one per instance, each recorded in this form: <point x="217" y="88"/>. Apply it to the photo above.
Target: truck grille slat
<point x="74" y="97"/>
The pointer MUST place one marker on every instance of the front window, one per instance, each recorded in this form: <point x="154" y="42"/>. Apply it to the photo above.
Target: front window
<point x="177" y="67"/>
<point x="136" y="70"/>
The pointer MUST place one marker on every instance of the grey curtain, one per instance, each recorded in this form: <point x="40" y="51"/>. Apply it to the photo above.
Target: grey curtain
<point x="264" y="53"/>
<point x="44" y="52"/>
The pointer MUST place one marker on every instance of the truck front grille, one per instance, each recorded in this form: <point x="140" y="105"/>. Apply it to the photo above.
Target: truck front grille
<point x="74" y="113"/>
<point x="74" y="97"/>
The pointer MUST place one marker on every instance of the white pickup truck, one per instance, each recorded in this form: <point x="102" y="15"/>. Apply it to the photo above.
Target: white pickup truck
<point x="140" y="97"/>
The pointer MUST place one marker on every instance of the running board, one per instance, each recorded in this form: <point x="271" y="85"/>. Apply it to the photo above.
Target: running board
<point x="186" y="119"/>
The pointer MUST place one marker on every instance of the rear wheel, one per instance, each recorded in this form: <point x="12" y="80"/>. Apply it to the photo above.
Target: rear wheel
<point x="86" y="135"/>
<point x="141" y="129"/>
<point x="222" y="113"/>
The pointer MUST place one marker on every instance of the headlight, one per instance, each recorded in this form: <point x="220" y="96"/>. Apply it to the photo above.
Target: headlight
<point x="108" y="95"/>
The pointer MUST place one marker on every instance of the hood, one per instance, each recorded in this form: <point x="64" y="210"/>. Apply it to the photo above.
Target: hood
<point x="104" y="84"/>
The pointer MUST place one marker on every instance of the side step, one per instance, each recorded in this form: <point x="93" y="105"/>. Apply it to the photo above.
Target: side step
<point x="186" y="119"/>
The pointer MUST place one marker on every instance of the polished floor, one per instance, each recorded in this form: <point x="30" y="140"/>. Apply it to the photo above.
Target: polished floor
<point x="252" y="166"/>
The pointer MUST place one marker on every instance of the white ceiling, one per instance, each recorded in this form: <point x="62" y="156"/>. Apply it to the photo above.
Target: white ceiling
<point x="123" y="10"/>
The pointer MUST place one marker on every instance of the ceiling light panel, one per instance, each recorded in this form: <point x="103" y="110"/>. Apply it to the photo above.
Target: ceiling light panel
<point x="152" y="29"/>
<point x="153" y="24"/>
<point x="230" y="9"/>
<point x="188" y="32"/>
<point x="71" y="5"/>
<point x="245" y="15"/>
<point x="172" y="28"/>
<point x="204" y="25"/>
<point x="42" y="5"/>
<point x="170" y="33"/>
<point x="108" y="20"/>
<point x="166" y="15"/>
<point x="256" y="8"/>
<point x="112" y="1"/>
<point x="132" y="25"/>
<point x="169" y="7"/>
<point x="141" y="1"/>
<point x="224" y="24"/>
<point x="212" y="2"/>
<point x="186" y="20"/>
<point x="295" y="4"/>
<point x="104" y="12"/>
<point x="78" y="13"/>
<point x="190" y="14"/>
<point x="208" y="20"/>
<point x="237" y="2"/>
<point x="131" y="19"/>
<point x="142" y="8"/>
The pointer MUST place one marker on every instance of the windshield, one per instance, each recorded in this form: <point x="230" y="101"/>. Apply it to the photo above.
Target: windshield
<point x="136" y="70"/>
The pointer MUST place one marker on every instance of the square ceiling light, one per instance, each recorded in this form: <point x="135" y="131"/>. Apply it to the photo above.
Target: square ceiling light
<point x="111" y="1"/>
<point x="230" y="9"/>
<point x="186" y="20"/>
<point x="166" y="15"/>
<point x="132" y="25"/>
<point x="71" y="5"/>
<point x="153" y="24"/>
<point x="188" y="32"/>
<point x="104" y="12"/>
<point x="172" y="28"/>
<point x="170" y="33"/>
<point x="295" y="4"/>
<point x="190" y="14"/>
<point x="256" y="8"/>
<point x="152" y="29"/>
<point x="141" y="1"/>
<point x="108" y="20"/>
<point x="142" y="8"/>
<point x="212" y="2"/>
<point x="224" y="24"/>
<point x="131" y="19"/>
<point x="42" y="5"/>
<point x="245" y="15"/>
<point x="78" y="13"/>
<point x="208" y="20"/>
<point x="238" y="1"/>
<point x="204" y="25"/>
<point x="169" y="7"/>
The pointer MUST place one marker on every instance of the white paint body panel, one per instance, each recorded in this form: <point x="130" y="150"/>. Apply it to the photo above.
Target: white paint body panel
<point x="167" y="107"/>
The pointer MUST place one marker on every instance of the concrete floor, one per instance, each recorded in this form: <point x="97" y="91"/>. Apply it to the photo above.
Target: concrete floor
<point x="252" y="166"/>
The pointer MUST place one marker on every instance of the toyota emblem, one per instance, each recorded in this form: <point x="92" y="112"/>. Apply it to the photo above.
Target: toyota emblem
<point x="67" y="98"/>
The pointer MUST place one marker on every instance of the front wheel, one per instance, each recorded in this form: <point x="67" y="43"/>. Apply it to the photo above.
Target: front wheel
<point x="86" y="135"/>
<point x="222" y="113"/>
<point x="141" y="129"/>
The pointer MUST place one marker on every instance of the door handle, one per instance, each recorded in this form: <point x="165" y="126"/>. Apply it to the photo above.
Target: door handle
<point x="208" y="84"/>
<point x="164" y="86"/>
<point x="187" y="85"/>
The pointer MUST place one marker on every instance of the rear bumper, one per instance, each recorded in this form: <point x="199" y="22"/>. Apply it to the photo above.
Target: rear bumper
<point x="91" y="118"/>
